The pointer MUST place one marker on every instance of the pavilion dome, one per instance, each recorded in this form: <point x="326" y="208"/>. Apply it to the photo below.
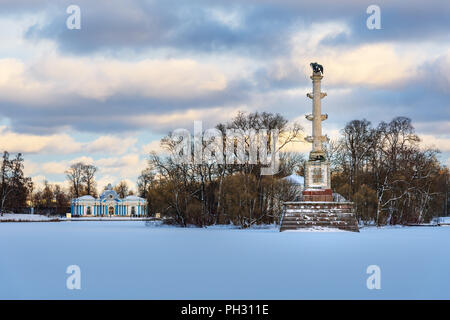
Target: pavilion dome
<point x="109" y="193"/>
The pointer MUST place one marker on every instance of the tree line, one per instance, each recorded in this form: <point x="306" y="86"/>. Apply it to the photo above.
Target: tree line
<point x="382" y="169"/>
<point x="386" y="172"/>
<point x="14" y="186"/>
<point x="18" y="194"/>
<point x="223" y="192"/>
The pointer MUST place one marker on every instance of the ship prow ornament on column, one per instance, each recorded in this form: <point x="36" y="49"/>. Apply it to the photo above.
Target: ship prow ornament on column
<point x="317" y="208"/>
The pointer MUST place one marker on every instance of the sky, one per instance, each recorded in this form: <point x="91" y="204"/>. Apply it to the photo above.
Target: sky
<point x="105" y="94"/>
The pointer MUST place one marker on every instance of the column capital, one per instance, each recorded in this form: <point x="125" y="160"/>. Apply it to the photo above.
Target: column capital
<point x="317" y="76"/>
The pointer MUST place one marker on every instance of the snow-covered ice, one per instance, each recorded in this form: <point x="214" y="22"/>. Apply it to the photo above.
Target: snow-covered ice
<point x="132" y="260"/>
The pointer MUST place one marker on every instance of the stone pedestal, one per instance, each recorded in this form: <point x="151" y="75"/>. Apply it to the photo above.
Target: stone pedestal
<point x="317" y="175"/>
<point x="317" y="181"/>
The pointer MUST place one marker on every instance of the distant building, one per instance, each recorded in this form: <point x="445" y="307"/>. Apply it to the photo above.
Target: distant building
<point x="109" y="204"/>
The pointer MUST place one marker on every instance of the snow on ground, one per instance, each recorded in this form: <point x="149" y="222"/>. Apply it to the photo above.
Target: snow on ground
<point x="138" y="260"/>
<point x="25" y="217"/>
<point x="17" y="217"/>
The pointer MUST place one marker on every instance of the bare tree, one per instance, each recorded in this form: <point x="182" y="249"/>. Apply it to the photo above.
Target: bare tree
<point x="146" y="177"/>
<point x="75" y="176"/>
<point x="14" y="185"/>
<point x="88" y="177"/>
<point x="224" y="191"/>
<point x="386" y="173"/>
<point x="6" y="187"/>
<point x="122" y="189"/>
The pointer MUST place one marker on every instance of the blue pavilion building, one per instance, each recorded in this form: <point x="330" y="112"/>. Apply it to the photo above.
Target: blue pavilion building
<point x="109" y="204"/>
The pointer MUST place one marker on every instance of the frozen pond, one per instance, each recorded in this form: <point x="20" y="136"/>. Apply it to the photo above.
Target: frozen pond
<point x="129" y="260"/>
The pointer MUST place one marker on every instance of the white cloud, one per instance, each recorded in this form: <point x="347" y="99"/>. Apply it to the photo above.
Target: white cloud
<point x="27" y="143"/>
<point x="376" y="65"/>
<point x="440" y="142"/>
<point x="154" y="146"/>
<point x="230" y="18"/>
<point x="38" y="182"/>
<point x="114" y="145"/>
<point x="185" y="119"/>
<point x="62" y="143"/>
<point x="29" y="167"/>
<point x="50" y="77"/>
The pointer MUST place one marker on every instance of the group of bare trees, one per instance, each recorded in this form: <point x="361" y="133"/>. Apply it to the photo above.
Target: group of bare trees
<point x="220" y="193"/>
<point x="81" y="177"/>
<point x="391" y="178"/>
<point x="123" y="189"/>
<point x="384" y="170"/>
<point x="51" y="199"/>
<point x="14" y="186"/>
<point x="18" y="193"/>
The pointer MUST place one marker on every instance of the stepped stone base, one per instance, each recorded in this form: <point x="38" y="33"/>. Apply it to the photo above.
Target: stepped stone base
<point x="309" y="214"/>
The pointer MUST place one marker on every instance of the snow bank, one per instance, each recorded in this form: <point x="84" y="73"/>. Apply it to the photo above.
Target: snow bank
<point x="25" y="217"/>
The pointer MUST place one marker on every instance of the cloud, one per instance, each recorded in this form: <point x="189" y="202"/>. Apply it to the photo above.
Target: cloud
<point x="154" y="146"/>
<point x="195" y="26"/>
<point x="380" y="64"/>
<point x="25" y="143"/>
<point x="434" y="74"/>
<point x="441" y="143"/>
<point x="145" y="66"/>
<point x="372" y="65"/>
<point x="56" y="94"/>
<point x="61" y="143"/>
<point x="249" y="27"/>
<point x="108" y="93"/>
<point x="123" y="167"/>
<point x="110" y="144"/>
<point x="436" y="127"/>
<point x="53" y="167"/>
<point x="185" y="119"/>
<point x="54" y="77"/>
